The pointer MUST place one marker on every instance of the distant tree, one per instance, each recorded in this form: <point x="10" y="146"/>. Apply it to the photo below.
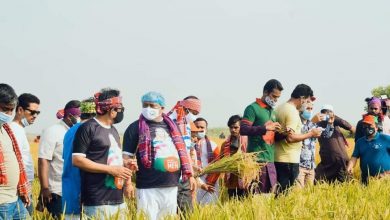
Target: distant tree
<point x="381" y="90"/>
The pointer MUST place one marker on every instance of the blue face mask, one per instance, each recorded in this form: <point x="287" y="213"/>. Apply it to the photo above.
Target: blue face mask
<point x="306" y="115"/>
<point x="5" y="118"/>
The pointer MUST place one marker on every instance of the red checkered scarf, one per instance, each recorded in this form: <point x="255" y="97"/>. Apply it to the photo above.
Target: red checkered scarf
<point x="23" y="184"/>
<point x="107" y="104"/>
<point x="210" y="153"/>
<point x="146" y="152"/>
<point x="180" y="119"/>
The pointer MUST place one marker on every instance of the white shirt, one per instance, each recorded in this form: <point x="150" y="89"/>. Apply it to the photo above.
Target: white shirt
<point x="24" y="146"/>
<point x="50" y="148"/>
<point x="386" y="125"/>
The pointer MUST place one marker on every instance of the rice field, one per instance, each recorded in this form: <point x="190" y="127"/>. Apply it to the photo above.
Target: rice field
<point x="336" y="201"/>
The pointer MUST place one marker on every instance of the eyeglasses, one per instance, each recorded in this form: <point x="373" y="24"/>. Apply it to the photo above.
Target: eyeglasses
<point x="33" y="112"/>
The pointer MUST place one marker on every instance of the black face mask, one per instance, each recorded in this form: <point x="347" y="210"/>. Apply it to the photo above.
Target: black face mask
<point x="118" y="118"/>
<point x="369" y="131"/>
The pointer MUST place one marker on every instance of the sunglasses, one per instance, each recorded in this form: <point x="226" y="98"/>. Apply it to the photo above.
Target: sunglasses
<point x="33" y="112"/>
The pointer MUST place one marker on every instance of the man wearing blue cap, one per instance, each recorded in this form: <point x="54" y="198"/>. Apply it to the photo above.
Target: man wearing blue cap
<point x="161" y="155"/>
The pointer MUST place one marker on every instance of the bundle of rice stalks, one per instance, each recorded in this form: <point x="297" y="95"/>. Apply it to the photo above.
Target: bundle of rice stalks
<point x="244" y="165"/>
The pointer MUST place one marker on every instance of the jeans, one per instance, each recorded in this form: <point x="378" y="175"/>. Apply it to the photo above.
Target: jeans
<point x="13" y="210"/>
<point x="105" y="211"/>
<point x="287" y="173"/>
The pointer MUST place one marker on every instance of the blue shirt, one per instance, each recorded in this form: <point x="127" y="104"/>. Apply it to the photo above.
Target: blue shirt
<point x="71" y="183"/>
<point x="308" y="147"/>
<point x="374" y="155"/>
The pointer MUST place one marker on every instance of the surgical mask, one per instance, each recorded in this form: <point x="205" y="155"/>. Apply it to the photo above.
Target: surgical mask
<point x="5" y="118"/>
<point x="192" y="145"/>
<point x="369" y="131"/>
<point x="118" y="118"/>
<point x="271" y="103"/>
<point x="24" y="122"/>
<point x="191" y="117"/>
<point x="306" y="114"/>
<point x="201" y="135"/>
<point x="74" y="120"/>
<point x="150" y="113"/>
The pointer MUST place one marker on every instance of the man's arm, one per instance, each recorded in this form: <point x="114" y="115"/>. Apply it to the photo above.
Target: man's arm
<point x="351" y="164"/>
<point x="313" y="133"/>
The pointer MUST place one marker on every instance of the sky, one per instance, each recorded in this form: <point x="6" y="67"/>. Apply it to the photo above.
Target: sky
<point x="221" y="51"/>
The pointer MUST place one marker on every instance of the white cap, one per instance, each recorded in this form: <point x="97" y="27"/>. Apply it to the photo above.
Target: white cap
<point x="327" y="107"/>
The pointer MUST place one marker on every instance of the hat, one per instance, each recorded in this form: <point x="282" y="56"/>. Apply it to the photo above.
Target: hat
<point x="194" y="128"/>
<point x="327" y="107"/>
<point x="154" y="97"/>
<point x="375" y="102"/>
<point x="370" y="119"/>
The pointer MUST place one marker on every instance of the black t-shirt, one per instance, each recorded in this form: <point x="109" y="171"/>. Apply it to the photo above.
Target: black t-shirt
<point x="165" y="170"/>
<point x="100" y="144"/>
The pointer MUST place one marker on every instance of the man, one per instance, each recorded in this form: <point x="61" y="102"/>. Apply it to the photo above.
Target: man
<point x="13" y="178"/>
<point x="50" y="162"/>
<point x="184" y="113"/>
<point x="71" y="183"/>
<point x="233" y="144"/>
<point x="374" y="107"/>
<point x="162" y="158"/>
<point x="307" y="158"/>
<point x="333" y="153"/>
<point x="386" y="120"/>
<point x="373" y="151"/>
<point x="288" y="150"/>
<point x="207" y="152"/>
<point x="259" y="124"/>
<point x="97" y="152"/>
<point x="26" y="112"/>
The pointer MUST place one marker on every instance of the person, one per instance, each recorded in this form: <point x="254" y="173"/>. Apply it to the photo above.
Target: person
<point x="386" y="114"/>
<point x="373" y="108"/>
<point x="183" y="114"/>
<point x="233" y="144"/>
<point x="207" y="152"/>
<point x="71" y="183"/>
<point x="50" y="162"/>
<point x="307" y="159"/>
<point x="373" y="151"/>
<point x="13" y="177"/>
<point x="259" y="124"/>
<point x="26" y="112"/>
<point x="156" y="142"/>
<point x="333" y="152"/>
<point x="288" y="150"/>
<point x="98" y="155"/>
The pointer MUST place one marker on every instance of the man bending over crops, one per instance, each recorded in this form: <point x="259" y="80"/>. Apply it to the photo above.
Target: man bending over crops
<point x="97" y="152"/>
<point x="373" y="151"/>
<point x="161" y="155"/>
<point x="259" y="124"/>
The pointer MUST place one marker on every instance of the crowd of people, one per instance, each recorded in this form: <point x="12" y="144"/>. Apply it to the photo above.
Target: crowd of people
<point x="85" y="171"/>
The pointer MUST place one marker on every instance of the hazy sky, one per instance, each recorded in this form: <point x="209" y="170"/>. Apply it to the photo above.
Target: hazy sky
<point x="221" y="51"/>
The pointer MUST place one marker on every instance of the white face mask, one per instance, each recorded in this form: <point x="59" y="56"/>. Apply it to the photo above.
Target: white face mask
<point x="201" y="135"/>
<point x="191" y="117"/>
<point x="5" y="118"/>
<point x="150" y="113"/>
<point x="24" y="122"/>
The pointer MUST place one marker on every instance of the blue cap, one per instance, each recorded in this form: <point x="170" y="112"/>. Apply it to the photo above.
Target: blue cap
<point x="154" y="97"/>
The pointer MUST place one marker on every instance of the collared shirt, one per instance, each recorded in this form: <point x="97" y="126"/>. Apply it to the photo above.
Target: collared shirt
<point x="308" y="147"/>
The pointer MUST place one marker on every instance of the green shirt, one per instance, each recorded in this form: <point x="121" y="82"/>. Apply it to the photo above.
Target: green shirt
<point x="259" y="116"/>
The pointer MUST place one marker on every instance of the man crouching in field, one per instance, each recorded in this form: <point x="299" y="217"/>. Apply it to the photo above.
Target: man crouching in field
<point x="97" y="152"/>
<point x="373" y="150"/>
<point x="161" y="155"/>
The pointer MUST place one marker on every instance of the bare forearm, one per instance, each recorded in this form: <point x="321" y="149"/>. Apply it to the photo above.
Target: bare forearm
<point x="43" y="173"/>
<point x="293" y="138"/>
<point x="352" y="162"/>
<point x="90" y="166"/>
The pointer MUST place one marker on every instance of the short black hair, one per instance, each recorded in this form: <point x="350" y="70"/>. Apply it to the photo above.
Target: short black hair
<point x="25" y="99"/>
<point x="271" y="85"/>
<point x="72" y="104"/>
<point x="108" y="93"/>
<point x="233" y="119"/>
<point x="190" y="97"/>
<point x="7" y="94"/>
<point x="202" y="119"/>
<point x="302" y="90"/>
